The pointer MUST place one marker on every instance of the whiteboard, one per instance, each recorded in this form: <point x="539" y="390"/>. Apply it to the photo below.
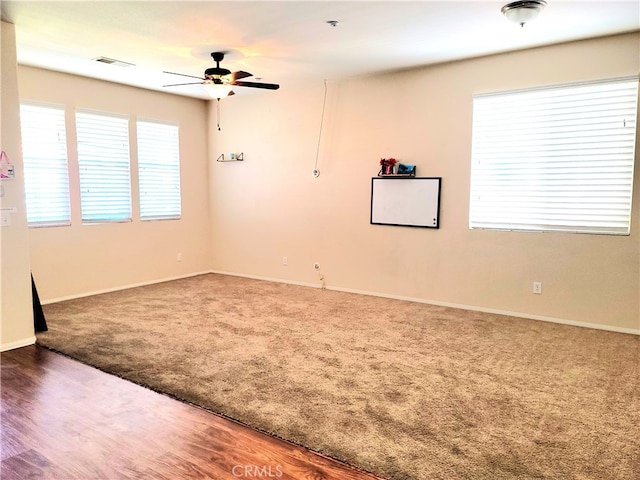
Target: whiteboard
<point x="406" y="201"/>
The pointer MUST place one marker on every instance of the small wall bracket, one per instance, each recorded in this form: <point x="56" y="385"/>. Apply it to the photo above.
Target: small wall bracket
<point x="235" y="158"/>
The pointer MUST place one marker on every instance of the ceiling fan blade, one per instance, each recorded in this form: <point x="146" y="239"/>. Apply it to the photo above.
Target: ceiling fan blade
<point x="233" y="76"/>
<point x="268" y="86"/>
<point x="184" y="75"/>
<point x="179" y="84"/>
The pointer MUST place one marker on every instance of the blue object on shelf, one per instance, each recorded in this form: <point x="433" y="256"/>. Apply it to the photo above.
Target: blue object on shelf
<point x="405" y="169"/>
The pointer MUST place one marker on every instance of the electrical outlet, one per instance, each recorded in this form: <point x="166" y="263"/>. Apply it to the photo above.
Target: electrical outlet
<point x="537" y="288"/>
<point x="179" y="257"/>
<point x="285" y="261"/>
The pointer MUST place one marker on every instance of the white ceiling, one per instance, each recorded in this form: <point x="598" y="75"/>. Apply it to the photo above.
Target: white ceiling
<point x="287" y="42"/>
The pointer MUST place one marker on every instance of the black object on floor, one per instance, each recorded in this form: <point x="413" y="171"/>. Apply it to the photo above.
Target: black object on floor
<point x="39" y="322"/>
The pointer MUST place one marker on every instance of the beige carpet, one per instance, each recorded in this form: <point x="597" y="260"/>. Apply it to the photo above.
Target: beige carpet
<point x="404" y="390"/>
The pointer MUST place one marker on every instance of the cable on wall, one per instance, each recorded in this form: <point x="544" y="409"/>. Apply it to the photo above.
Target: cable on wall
<point x="316" y="172"/>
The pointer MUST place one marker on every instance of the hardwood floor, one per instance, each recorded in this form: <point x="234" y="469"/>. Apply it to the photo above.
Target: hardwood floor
<point x="61" y="419"/>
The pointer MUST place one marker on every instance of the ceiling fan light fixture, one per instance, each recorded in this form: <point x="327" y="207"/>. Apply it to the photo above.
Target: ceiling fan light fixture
<point x="218" y="82"/>
<point x="523" y="11"/>
<point x="217" y="90"/>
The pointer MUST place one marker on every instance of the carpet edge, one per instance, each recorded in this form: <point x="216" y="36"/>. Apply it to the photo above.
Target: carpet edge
<point x="39" y="343"/>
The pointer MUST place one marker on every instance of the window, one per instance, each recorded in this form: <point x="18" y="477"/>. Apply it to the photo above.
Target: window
<point x="555" y="159"/>
<point x="158" y="170"/>
<point x="103" y="159"/>
<point x="46" y="174"/>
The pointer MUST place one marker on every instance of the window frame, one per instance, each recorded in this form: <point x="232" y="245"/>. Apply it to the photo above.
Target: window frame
<point x="60" y="170"/>
<point x="159" y="145"/>
<point x="89" y="160"/>
<point x="598" y="187"/>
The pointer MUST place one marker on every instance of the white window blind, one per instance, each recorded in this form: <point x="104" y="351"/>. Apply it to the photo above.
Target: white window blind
<point x="555" y="159"/>
<point x="46" y="173"/>
<point x="103" y="159"/>
<point x="158" y="170"/>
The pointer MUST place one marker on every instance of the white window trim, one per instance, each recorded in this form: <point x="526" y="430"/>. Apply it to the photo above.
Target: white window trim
<point x="514" y="167"/>
<point x="60" y="169"/>
<point x="159" y="182"/>
<point x="119" y="205"/>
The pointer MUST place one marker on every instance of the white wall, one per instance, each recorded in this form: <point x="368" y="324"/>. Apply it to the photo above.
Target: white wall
<point x="16" y="312"/>
<point x="81" y="259"/>
<point x="270" y="206"/>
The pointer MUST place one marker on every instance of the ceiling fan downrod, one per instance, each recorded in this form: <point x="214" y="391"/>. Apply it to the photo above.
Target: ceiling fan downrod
<point x="217" y="72"/>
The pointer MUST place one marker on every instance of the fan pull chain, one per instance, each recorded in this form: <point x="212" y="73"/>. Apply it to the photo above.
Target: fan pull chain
<point x="218" y="113"/>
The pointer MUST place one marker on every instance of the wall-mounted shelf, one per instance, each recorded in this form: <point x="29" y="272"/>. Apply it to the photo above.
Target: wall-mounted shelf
<point x="237" y="158"/>
<point x="396" y="174"/>
<point x="406" y="171"/>
<point x="410" y="173"/>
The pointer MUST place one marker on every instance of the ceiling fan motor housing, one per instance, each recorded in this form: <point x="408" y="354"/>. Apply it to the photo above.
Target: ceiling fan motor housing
<point x="216" y="72"/>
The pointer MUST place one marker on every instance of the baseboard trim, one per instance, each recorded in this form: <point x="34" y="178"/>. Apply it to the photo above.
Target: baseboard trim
<point x="123" y="287"/>
<point x="529" y="316"/>
<point x="267" y="279"/>
<point x="24" y="342"/>
<point x="497" y="311"/>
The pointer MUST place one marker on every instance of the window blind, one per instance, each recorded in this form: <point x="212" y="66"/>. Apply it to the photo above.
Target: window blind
<point x="103" y="159"/>
<point x="46" y="173"/>
<point x="158" y="170"/>
<point x="555" y="159"/>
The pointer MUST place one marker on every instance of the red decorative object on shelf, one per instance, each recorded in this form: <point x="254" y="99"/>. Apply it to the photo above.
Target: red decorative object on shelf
<point x="387" y="166"/>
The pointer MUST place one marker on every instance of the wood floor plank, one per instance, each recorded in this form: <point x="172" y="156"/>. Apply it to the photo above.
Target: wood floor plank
<point x="61" y="419"/>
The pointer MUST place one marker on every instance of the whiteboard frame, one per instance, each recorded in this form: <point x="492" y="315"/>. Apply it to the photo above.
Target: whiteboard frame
<point x="427" y="209"/>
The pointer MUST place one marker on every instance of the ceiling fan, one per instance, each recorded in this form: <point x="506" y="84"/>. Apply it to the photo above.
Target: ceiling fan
<point x="219" y="81"/>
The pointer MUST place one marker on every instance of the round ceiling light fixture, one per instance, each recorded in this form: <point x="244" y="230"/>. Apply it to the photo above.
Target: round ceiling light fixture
<point x="216" y="90"/>
<point x="523" y="11"/>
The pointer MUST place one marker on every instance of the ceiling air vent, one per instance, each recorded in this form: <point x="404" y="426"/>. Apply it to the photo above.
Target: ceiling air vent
<point x="113" y="61"/>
